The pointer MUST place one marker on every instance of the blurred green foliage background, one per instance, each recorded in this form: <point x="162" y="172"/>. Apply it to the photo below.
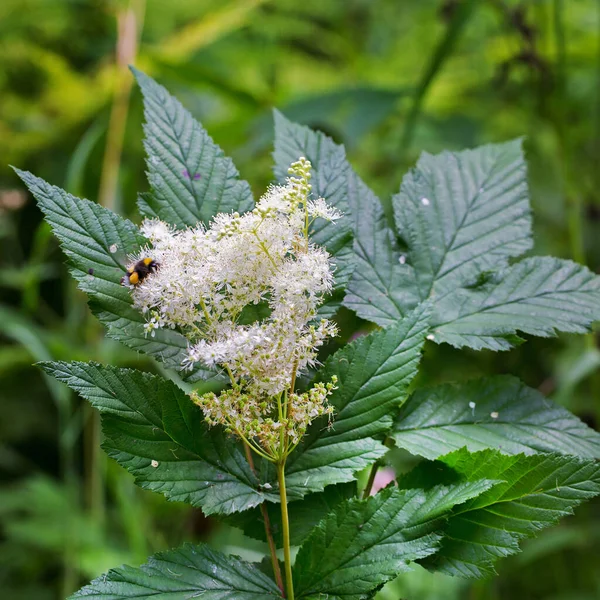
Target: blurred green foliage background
<point x="388" y="78"/>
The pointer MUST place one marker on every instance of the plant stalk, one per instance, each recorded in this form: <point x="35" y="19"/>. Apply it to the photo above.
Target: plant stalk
<point x="285" y="526"/>
<point x="130" y="23"/>
<point x="268" y="530"/>
<point x="371" y="480"/>
<point x="272" y="547"/>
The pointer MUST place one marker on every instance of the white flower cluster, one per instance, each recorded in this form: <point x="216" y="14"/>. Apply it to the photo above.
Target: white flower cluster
<point x="212" y="284"/>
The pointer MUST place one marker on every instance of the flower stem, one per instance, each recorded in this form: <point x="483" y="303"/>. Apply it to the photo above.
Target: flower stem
<point x="371" y="481"/>
<point x="268" y="531"/>
<point x="285" y="526"/>
<point x="272" y="548"/>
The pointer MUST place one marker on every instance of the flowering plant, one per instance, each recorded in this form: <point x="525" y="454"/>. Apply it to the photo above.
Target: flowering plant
<point x="263" y="423"/>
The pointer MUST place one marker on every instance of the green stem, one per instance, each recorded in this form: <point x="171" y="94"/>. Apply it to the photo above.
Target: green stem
<point x="285" y="526"/>
<point x="253" y="446"/>
<point x="268" y="529"/>
<point x="282" y="436"/>
<point x="272" y="547"/>
<point x="306" y="223"/>
<point x="371" y="480"/>
<point x="265" y="249"/>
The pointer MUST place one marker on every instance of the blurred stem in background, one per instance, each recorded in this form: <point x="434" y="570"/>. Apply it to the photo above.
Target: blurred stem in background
<point x="572" y="189"/>
<point x="571" y="192"/>
<point x="130" y="19"/>
<point x="130" y="22"/>
<point x="442" y="52"/>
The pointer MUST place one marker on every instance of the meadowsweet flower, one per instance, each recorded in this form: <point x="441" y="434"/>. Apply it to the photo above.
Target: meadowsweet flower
<point x="320" y="209"/>
<point x="212" y="284"/>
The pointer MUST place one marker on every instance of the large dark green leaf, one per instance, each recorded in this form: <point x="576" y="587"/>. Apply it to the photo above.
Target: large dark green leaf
<point x="153" y="429"/>
<point x="188" y="572"/>
<point x="191" y="180"/>
<point x="364" y="543"/>
<point x="539" y="296"/>
<point x="536" y="492"/>
<point x="97" y="243"/>
<point x="499" y="413"/>
<point x="373" y="373"/>
<point x="462" y="216"/>
<point x="330" y="172"/>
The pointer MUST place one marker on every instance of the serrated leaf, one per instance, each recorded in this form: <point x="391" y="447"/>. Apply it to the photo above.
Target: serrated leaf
<point x="373" y="373"/>
<point x="188" y="572"/>
<point x="153" y="429"/>
<point x="191" y="180"/>
<point x="382" y="287"/>
<point x="303" y="514"/>
<point x="539" y="295"/>
<point x="330" y="173"/>
<point x="537" y="491"/>
<point x="461" y="213"/>
<point x="97" y="243"/>
<point x="499" y="413"/>
<point x="364" y="543"/>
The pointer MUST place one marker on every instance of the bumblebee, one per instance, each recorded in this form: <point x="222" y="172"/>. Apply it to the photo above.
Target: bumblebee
<point x="139" y="271"/>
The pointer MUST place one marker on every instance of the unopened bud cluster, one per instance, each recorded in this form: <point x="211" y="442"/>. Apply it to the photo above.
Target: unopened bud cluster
<point x="250" y="417"/>
<point x="213" y="283"/>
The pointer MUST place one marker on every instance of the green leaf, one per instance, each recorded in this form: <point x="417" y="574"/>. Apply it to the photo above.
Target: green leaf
<point x="539" y="296"/>
<point x="303" y="514"/>
<point x="188" y="572"/>
<point x="461" y="213"/>
<point x="330" y="180"/>
<point x="537" y="491"/>
<point x="97" y="243"/>
<point x="191" y="180"/>
<point x="364" y="543"/>
<point x="462" y="216"/>
<point x="498" y="413"/>
<point x="153" y="429"/>
<point x="373" y="373"/>
<point x="378" y="291"/>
